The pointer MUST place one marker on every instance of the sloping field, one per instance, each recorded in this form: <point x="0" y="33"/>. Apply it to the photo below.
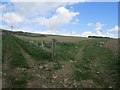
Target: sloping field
<point x="79" y="62"/>
<point x="50" y="37"/>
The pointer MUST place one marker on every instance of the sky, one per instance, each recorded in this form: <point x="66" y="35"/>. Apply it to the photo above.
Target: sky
<point x="78" y="18"/>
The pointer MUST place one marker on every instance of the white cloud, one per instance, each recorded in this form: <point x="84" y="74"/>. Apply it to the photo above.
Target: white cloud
<point x="41" y="7"/>
<point x="114" y="29"/>
<point x="12" y="18"/>
<point x="70" y="34"/>
<point x="63" y="32"/>
<point x="31" y="9"/>
<point x="75" y="22"/>
<point x="64" y="1"/>
<point x="71" y="7"/>
<point x="1" y="17"/>
<point x="50" y="1"/>
<point x="90" y="24"/>
<point x="63" y="16"/>
<point x="87" y="33"/>
<point x="110" y="35"/>
<point x="98" y="28"/>
<point x="73" y="33"/>
<point x="2" y="7"/>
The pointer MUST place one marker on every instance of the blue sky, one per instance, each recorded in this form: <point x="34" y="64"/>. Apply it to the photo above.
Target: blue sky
<point x="65" y="18"/>
<point x="104" y="12"/>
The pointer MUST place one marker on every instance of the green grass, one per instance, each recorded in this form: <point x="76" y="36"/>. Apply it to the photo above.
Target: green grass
<point x="15" y="59"/>
<point x="92" y="59"/>
<point x="20" y="82"/>
<point x="64" y="51"/>
<point x="36" y="52"/>
<point x="11" y="48"/>
<point x="50" y="37"/>
<point x="104" y="59"/>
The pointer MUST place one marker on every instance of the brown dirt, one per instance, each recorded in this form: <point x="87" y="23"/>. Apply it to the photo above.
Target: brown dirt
<point x="38" y="76"/>
<point x="50" y="78"/>
<point x="88" y="84"/>
<point x="44" y="76"/>
<point x="66" y="70"/>
<point x="64" y="75"/>
<point x="113" y="45"/>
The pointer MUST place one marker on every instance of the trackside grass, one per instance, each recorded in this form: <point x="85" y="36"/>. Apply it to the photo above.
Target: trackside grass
<point x="36" y="52"/>
<point x="16" y="60"/>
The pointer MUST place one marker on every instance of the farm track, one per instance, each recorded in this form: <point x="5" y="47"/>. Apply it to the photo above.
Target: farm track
<point x="30" y="60"/>
<point x="79" y="55"/>
<point x="12" y="77"/>
<point x="42" y="74"/>
<point x="31" y="69"/>
<point x="6" y="68"/>
<point x="34" y="82"/>
<point x="38" y="75"/>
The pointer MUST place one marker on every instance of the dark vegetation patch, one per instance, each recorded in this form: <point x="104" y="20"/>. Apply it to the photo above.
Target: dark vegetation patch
<point x="28" y="34"/>
<point x="18" y="81"/>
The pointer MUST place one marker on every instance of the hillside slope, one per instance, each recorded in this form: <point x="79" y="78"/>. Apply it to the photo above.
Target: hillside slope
<point x="80" y="62"/>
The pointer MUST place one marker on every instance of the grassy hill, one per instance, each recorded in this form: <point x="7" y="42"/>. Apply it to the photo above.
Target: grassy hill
<point x="79" y="62"/>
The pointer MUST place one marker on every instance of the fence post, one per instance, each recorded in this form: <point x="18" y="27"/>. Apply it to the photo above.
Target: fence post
<point x="53" y="47"/>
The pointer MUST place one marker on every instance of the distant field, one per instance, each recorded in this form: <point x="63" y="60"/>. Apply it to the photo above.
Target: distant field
<point x="58" y="38"/>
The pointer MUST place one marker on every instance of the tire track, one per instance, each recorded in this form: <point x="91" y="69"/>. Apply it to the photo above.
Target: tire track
<point x="30" y="60"/>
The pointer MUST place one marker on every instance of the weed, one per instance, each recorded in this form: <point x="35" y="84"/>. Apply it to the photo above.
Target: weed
<point x="57" y="66"/>
<point x="18" y="82"/>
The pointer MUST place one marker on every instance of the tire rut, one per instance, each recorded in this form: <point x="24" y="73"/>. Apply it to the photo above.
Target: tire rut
<point x="30" y="60"/>
<point x="79" y="55"/>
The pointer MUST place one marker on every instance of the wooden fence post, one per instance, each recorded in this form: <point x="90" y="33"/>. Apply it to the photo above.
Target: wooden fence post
<point x="53" y="47"/>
